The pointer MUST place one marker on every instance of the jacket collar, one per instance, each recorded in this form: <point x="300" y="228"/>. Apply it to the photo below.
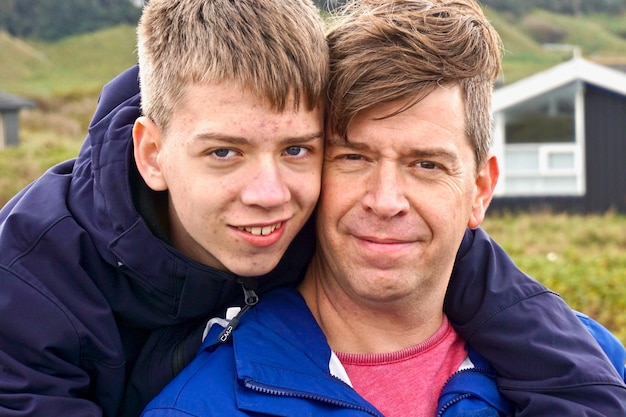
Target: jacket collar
<point x="280" y="350"/>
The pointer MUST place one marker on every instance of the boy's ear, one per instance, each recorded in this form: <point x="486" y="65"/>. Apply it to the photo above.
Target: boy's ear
<point x="486" y="181"/>
<point x="147" y="143"/>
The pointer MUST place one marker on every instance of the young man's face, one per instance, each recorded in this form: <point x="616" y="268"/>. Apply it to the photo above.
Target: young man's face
<point x="242" y="179"/>
<point x="397" y="198"/>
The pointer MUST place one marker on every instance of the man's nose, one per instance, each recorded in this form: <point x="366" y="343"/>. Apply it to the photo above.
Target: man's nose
<point x="385" y="195"/>
<point x="267" y="186"/>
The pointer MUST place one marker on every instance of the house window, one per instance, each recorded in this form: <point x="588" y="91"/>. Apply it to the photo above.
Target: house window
<point x="543" y="145"/>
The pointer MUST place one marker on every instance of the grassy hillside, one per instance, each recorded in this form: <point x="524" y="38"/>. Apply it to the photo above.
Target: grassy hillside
<point x="73" y="66"/>
<point x="19" y="59"/>
<point x="601" y="38"/>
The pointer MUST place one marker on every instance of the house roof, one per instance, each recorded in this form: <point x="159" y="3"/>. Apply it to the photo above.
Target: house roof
<point x="575" y="69"/>
<point x="11" y="102"/>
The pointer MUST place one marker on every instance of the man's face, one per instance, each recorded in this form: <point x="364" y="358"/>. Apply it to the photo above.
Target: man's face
<point x="397" y="198"/>
<point x="242" y="179"/>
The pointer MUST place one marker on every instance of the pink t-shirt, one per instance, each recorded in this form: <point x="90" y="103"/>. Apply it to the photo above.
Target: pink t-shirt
<point x="407" y="382"/>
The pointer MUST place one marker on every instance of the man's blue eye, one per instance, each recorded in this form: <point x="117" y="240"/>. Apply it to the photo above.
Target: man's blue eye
<point x="427" y="165"/>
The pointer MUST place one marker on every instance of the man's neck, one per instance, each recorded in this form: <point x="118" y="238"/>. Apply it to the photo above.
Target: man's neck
<point x="355" y="325"/>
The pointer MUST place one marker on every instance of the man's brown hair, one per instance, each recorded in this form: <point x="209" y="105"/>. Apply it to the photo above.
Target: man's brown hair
<point x="387" y="50"/>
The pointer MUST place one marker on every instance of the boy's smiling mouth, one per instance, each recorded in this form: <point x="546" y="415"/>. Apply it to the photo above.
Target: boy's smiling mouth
<point x="260" y="230"/>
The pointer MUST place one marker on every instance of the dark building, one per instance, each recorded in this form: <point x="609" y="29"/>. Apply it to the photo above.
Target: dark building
<point x="560" y="138"/>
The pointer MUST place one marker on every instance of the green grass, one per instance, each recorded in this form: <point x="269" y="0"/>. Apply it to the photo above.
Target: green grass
<point x="21" y="165"/>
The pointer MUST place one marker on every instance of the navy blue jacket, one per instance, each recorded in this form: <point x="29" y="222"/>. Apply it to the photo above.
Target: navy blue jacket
<point x="277" y="362"/>
<point x="98" y="312"/>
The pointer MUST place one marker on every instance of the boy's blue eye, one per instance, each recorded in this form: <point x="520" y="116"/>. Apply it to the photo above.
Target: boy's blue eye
<point x="222" y="153"/>
<point x="294" y="150"/>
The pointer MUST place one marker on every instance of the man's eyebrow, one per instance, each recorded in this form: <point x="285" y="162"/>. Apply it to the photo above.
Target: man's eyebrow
<point x="429" y="152"/>
<point x="241" y="140"/>
<point x="434" y="153"/>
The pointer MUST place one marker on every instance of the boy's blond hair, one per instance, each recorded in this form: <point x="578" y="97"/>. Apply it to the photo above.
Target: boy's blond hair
<point x="387" y="50"/>
<point x="274" y="48"/>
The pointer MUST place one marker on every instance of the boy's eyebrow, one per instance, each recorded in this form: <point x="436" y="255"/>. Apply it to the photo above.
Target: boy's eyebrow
<point x="241" y="140"/>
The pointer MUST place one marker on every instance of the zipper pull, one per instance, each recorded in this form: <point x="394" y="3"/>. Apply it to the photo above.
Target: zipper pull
<point x="250" y="298"/>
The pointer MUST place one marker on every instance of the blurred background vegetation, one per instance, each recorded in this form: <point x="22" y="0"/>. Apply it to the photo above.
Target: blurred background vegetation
<point x="60" y="53"/>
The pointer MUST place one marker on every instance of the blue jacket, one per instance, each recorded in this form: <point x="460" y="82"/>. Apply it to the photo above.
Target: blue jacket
<point x="98" y="312"/>
<point x="277" y="363"/>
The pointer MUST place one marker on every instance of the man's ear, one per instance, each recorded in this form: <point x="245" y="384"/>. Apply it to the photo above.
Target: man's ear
<point x="147" y="142"/>
<point x="486" y="181"/>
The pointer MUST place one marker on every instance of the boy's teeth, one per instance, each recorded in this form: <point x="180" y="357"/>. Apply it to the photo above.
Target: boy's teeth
<point x="261" y="231"/>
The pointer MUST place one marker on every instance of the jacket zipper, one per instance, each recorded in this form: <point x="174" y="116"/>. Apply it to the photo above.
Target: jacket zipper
<point x="251" y="299"/>
<point x="451" y="403"/>
<point x="458" y="398"/>
<point x="286" y="393"/>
